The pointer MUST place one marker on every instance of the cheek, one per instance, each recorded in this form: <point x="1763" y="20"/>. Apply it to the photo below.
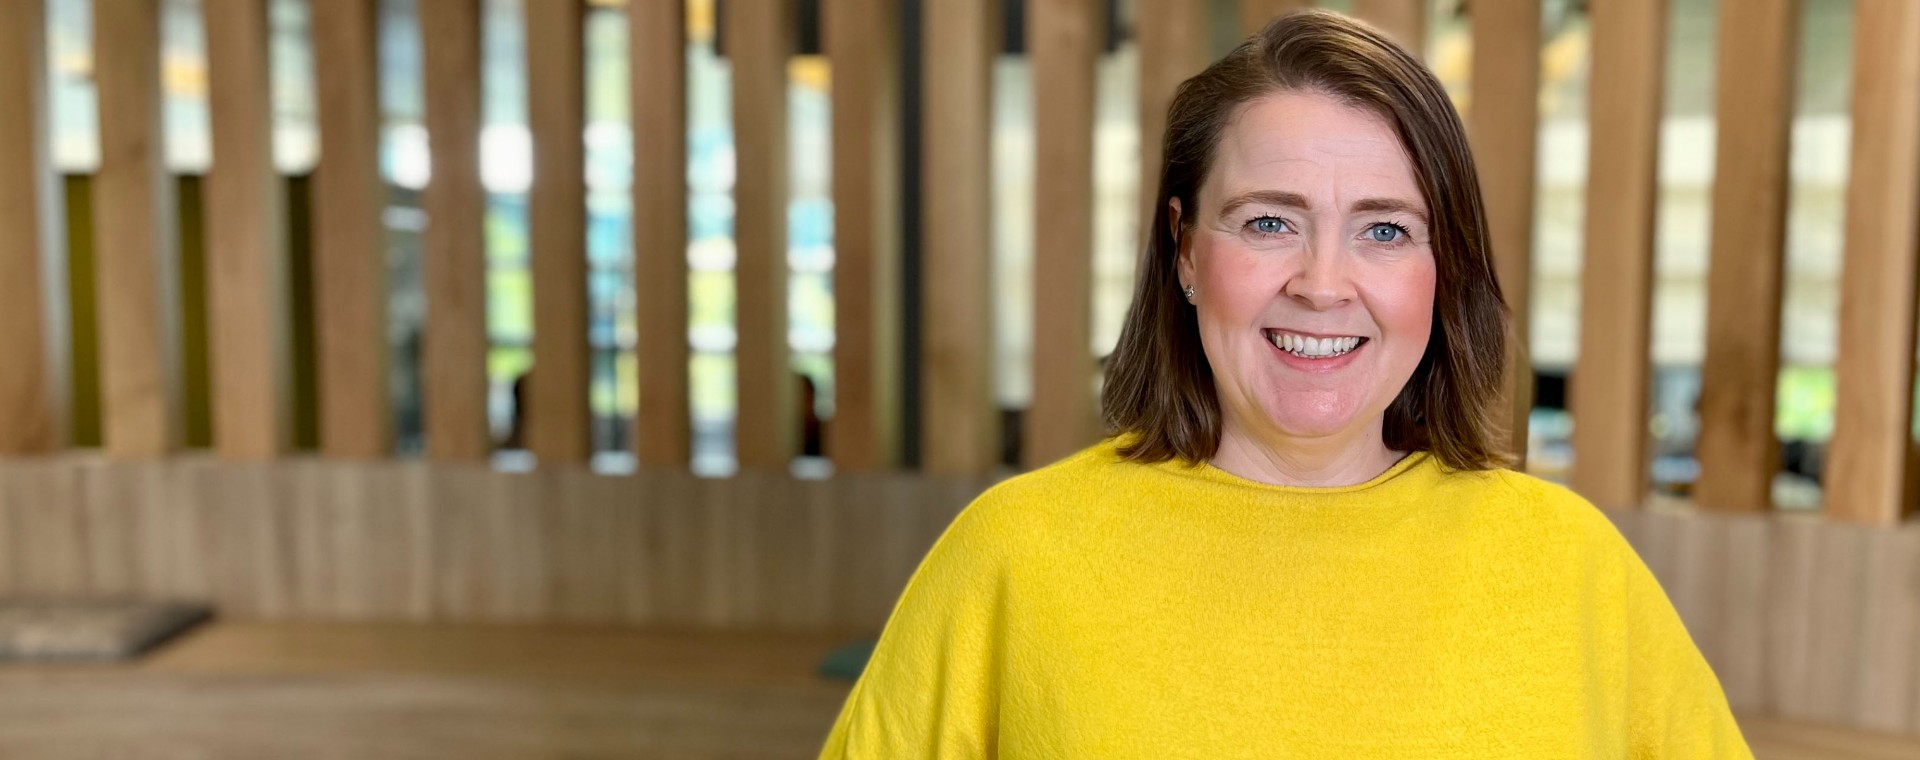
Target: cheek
<point x="1231" y="281"/>
<point x="1405" y="305"/>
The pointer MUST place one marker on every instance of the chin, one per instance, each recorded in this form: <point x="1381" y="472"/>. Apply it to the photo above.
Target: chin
<point x="1313" y="420"/>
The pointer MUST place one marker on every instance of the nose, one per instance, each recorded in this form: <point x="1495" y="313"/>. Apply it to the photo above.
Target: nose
<point x="1321" y="280"/>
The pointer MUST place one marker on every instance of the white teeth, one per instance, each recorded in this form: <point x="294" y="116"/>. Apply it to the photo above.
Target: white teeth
<point x="1313" y="348"/>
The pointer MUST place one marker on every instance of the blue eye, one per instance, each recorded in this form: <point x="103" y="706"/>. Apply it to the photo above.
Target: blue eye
<point x="1268" y="225"/>
<point x="1386" y="233"/>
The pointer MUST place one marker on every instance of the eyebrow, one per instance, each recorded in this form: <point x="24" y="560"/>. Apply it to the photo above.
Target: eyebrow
<point x="1296" y="200"/>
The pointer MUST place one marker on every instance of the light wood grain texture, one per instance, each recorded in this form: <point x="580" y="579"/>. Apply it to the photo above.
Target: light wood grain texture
<point x="863" y="44"/>
<point x="1064" y="43"/>
<point x="1612" y="379"/>
<point x="136" y="254"/>
<point x="34" y="390"/>
<point x="960" y="424"/>
<point x="658" y="30"/>
<point x="1406" y="22"/>
<point x="1254" y="14"/>
<point x="1866" y="469"/>
<point x="1502" y="126"/>
<point x="557" y="419"/>
<point x="1738" y="453"/>
<point x="246" y="228"/>
<point x="349" y="245"/>
<point x="453" y="349"/>
<point x="759" y="37"/>
<point x="1173" y="47"/>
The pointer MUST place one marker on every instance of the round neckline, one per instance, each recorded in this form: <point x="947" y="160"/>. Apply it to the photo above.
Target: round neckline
<point x="1207" y="471"/>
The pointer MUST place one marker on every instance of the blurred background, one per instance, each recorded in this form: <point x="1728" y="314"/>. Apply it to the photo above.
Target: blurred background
<point x="529" y="378"/>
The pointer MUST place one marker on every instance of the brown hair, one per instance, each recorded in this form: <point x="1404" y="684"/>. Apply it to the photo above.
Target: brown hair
<point x="1159" y="391"/>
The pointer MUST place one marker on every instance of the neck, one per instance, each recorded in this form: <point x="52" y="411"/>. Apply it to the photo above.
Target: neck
<point x="1280" y="459"/>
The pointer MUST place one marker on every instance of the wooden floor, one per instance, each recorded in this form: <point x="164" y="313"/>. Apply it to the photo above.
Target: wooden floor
<point x="281" y="690"/>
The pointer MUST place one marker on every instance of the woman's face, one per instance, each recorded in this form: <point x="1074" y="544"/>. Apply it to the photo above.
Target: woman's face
<point x="1312" y="265"/>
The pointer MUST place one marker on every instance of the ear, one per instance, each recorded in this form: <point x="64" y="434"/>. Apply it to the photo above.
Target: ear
<point x="1181" y="243"/>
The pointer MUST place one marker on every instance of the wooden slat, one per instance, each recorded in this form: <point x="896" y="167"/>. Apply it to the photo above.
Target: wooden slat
<point x="33" y="296"/>
<point x="760" y="38"/>
<point x="1610" y="381"/>
<point x="863" y="42"/>
<point x="137" y="279"/>
<point x="1254" y="14"/>
<point x="349" y="247"/>
<point x="1502" y="126"/>
<point x="1738" y="454"/>
<point x="658" y="30"/>
<point x="453" y="350"/>
<point x="1867" y="479"/>
<point x="1064" y="46"/>
<point x="246" y="274"/>
<point x="960" y="425"/>
<point x="1406" y="22"/>
<point x="558" y="417"/>
<point x="1173" y="47"/>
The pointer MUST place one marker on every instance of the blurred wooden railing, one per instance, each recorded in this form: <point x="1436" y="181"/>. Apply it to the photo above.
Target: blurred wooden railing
<point x="1804" y="616"/>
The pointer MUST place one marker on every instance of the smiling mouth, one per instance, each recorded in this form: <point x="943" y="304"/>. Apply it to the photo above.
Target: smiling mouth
<point x="1311" y="347"/>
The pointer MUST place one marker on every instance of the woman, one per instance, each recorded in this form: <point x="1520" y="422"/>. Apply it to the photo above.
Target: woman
<point x="1299" y="541"/>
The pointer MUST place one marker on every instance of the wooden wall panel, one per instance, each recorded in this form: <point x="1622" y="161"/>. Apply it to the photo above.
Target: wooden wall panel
<point x="1173" y="47"/>
<point x="1064" y="42"/>
<point x="1503" y="125"/>
<point x="1406" y="22"/>
<point x="34" y="380"/>
<point x="136" y="253"/>
<point x="760" y="39"/>
<point x="349" y="246"/>
<point x="1612" y="379"/>
<point x="960" y="424"/>
<point x="1738" y="453"/>
<point x="246" y="227"/>
<point x="557" y="419"/>
<point x="658" y="31"/>
<point x="863" y="43"/>
<point x="1254" y="14"/>
<point x="1867" y="467"/>
<point x="453" y="350"/>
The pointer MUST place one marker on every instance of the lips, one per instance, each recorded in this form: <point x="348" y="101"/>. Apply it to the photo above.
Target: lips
<point x="1309" y="346"/>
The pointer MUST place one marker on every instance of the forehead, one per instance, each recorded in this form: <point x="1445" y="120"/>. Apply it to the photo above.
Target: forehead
<point x="1312" y="144"/>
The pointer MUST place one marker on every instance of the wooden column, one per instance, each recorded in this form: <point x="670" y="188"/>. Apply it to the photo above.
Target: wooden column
<point x="1502" y="126"/>
<point x="246" y="276"/>
<point x="1611" y="380"/>
<point x="658" y="34"/>
<point x="960" y="425"/>
<point x="863" y="42"/>
<point x="1406" y="22"/>
<point x="760" y="38"/>
<point x="136" y="253"/>
<point x="1064" y="45"/>
<point x="349" y="246"/>
<point x="1738" y="453"/>
<point x="1173" y="46"/>
<point x="1254" y="14"/>
<point x="453" y="350"/>
<point x="558" y="417"/>
<point x="1866" y="471"/>
<point x="33" y="270"/>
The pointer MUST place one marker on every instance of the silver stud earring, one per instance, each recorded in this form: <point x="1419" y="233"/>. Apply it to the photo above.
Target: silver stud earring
<point x="1187" y="290"/>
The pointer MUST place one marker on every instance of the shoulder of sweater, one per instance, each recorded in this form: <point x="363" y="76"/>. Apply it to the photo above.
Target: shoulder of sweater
<point x="1543" y="501"/>
<point x="1038" y="494"/>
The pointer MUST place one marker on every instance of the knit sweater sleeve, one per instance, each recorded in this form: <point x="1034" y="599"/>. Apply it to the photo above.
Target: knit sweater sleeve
<point x="1677" y="707"/>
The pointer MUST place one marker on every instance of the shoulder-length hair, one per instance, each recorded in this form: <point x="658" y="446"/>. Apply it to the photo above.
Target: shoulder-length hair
<point x="1159" y="394"/>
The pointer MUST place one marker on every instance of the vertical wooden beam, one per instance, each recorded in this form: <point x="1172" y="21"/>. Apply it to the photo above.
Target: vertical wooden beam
<point x="760" y="38"/>
<point x="1406" y="22"/>
<point x="960" y="424"/>
<point x="33" y="303"/>
<point x="1254" y="14"/>
<point x="1754" y="110"/>
<point x="246" y="274"/>
<point x="1866" y="473"/>
<point x="1173" y="46"/>
<point x="453" y="348"/>
<point x="1503" y="127"/>
<point x="136" y="252"/>
<point x="557" y="422"/>
<point x="1612" y="378"/>
<point x="349" y="246"/>
<point x="863" y="41"/>
<point x="1064" y="45"/>
<point x="658" y="34"/>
